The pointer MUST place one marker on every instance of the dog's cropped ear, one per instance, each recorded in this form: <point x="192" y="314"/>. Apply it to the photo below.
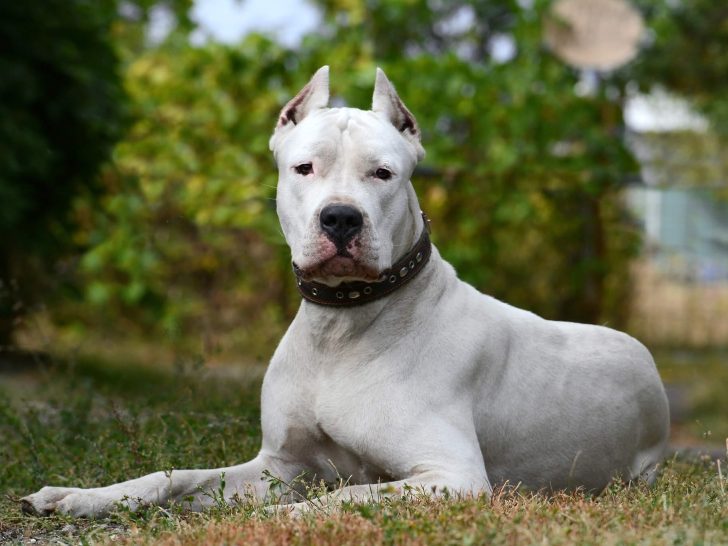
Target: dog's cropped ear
<point x="387" y="103"/>
<point x="313" y="96"/>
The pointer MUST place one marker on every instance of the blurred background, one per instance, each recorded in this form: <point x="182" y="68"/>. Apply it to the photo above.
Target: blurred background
<point x="577" y="166"/>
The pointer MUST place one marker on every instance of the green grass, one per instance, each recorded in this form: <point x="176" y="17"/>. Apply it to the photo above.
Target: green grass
<point x="93" y="423"/>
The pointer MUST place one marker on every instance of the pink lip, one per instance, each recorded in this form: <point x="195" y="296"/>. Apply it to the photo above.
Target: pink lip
<point x="340" y="267"/>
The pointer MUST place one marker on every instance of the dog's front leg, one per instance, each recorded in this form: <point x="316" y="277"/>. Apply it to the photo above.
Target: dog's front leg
<point x="191" y="488"/>
<point x="432" y="483"/>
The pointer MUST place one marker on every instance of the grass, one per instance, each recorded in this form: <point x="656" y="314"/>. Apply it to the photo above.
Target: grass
<point x="94" y="422"/>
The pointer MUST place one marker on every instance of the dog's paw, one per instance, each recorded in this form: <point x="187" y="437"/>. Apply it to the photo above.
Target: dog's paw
<point x="70" y="501"/>
<point x="45" y="501"/>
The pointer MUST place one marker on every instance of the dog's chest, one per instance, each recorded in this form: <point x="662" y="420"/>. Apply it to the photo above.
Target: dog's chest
<point x="354" y="415"/>
<point x="336" y="459"/>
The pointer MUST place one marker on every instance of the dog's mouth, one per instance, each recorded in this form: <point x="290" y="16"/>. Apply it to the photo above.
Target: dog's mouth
<point x="338" y="268"/>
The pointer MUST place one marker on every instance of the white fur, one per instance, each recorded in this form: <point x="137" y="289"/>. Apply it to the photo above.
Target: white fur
<point x="436" y="386"/>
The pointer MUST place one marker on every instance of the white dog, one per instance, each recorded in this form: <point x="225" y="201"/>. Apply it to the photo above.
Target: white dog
<point x="395" y="373"/>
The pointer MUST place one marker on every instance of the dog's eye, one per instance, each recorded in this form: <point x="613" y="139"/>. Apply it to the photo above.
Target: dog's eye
<point x="383" y="173"/>
<point x="304" y="168"/>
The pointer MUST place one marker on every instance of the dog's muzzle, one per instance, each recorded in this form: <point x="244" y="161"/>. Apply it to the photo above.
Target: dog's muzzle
<point x="349" y="294"/>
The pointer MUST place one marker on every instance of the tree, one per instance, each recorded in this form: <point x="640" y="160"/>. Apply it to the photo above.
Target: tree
<point x="61" y="110"/>
<point x="186" y="234"/>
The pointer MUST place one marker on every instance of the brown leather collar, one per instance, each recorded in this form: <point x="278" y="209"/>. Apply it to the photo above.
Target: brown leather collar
<point x="350" y="294"/>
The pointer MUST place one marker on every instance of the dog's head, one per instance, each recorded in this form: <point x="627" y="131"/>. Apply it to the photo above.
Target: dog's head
<point x="345" y="201"/>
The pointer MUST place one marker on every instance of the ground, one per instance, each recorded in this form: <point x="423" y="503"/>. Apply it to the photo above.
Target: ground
<point x="88" y="422"/>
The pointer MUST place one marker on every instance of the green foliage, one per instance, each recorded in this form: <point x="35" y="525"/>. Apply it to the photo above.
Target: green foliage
<point x="689" y="54"/>
<point x="187" y="235"/>
<point x="522" y="176"/>
<point x="59" y="110"/>
<point x="522" y="170"/>
<point x="62" y="108"/>
<point x="526" y="172"/>
<point x="60" y="113"/>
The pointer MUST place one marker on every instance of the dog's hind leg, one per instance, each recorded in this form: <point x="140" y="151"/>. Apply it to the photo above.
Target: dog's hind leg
<point x="646" y="463"/>
<point x="430" y="483"/>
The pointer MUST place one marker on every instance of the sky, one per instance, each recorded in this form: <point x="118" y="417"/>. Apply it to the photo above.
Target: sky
<point x="228" y="20"/>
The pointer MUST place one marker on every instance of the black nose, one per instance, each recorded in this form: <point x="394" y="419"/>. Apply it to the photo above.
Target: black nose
<point x="340" y="223"/>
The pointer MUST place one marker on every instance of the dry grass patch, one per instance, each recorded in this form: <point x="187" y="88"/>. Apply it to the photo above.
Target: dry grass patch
<point x="688" y="505"/>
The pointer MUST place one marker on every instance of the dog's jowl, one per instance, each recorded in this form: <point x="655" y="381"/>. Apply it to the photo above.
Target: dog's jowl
<point x="396" y="373"/>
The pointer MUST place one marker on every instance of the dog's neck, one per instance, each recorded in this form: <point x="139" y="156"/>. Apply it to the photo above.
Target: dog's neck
<point x="339" y="324"/>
